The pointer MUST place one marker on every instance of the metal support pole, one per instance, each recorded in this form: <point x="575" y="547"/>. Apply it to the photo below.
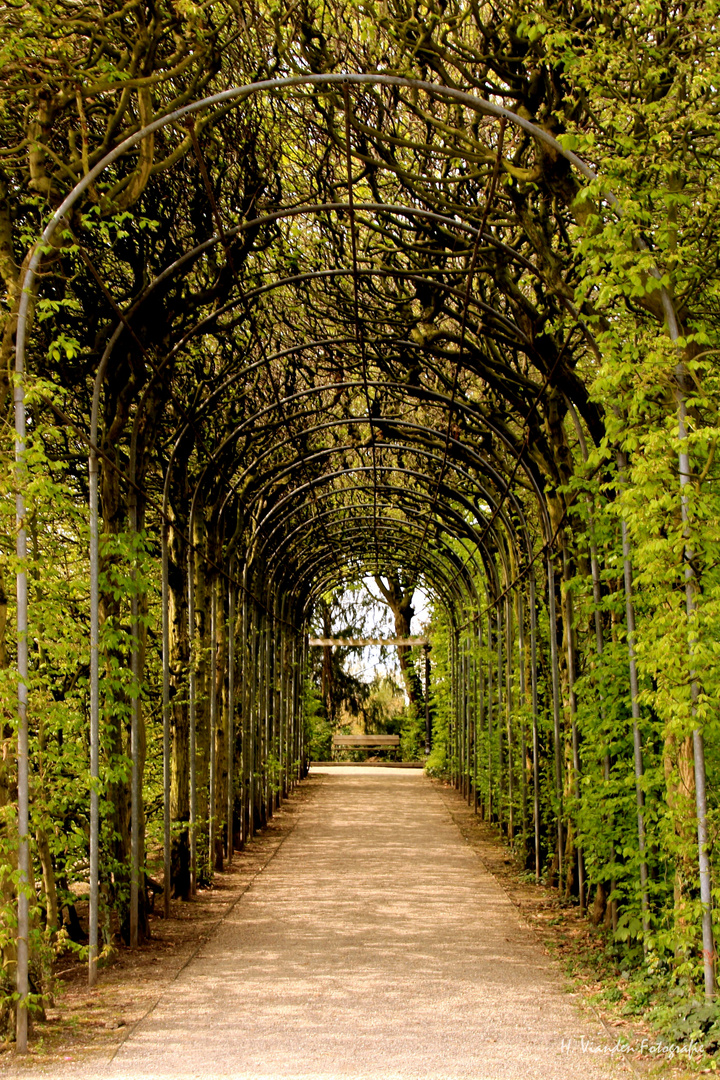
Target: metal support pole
<point x="428" y="728"/>
<point x="481" y="701"/>
<point x="269" y="698"/>
<point x="231" y="721"/>
<point x="23" y="915"/>
<point x="245" y="708"/>
<point x="252" y="720"/>
<point x="261" y="754"/>
<point x="523" y="730"/>
<point x="289" y="704"/>
<point x="297" y="702"/>
<point x="599" y="647"/>
<point x="691" y="608"/>
<point x="262" y="719"/>
<point x="573" y="713"/>
<point x="698" y="741"/>
<point x="552" y="618"/>
<point x="462" y="711"/>
<point x="166" y="720"/>
<point x="637" y="744"/>
<point x="597" y="600"/>
<point x="490" y="717"/>
<point x="508" y="713"/>
<point x="134" y="746"/>
<point x="468" y="724"/>
<point x="704" y="864"/>
<point x="192" y="721"/>
<point x="93" y="935"/>
<point x="460" y="714"/>
<point x="500" y="706"/>
<point x="280" y="703"/>
<point x="266" y="735"/>
<point x="455" y="774"/>
<point x="212" y="679"/>
<point x="477" y="723"/>
<point x="301" y="724"/>
<point x="286" y="699"/>
<point x="293" y="707"/>
<point x="535" y="735"/>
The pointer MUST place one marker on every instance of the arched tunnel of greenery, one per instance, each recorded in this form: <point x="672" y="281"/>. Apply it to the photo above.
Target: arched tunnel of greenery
<point x="341" y="291"/>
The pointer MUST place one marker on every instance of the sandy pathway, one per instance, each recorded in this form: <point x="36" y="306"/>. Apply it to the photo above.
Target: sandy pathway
<point x="373" y="945"/>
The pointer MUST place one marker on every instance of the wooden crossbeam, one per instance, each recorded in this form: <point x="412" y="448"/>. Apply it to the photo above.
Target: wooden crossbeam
<point x="366" y="740"/>
<point x="368" y="641"/>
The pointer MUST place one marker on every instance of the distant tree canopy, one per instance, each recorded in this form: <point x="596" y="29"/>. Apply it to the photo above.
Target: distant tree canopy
<point x="370" y="701"/>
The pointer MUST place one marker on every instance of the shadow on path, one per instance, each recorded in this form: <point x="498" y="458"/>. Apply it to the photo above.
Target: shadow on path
<point x="373" y="945"/>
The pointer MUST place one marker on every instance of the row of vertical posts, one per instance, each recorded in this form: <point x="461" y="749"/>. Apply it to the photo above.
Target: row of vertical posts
<point x="495" y="743"/>
<point x="494" y="731"/>
<point x="260" y="670"/>
<point x="255" y="658"/>
<point x="491" y="748"/>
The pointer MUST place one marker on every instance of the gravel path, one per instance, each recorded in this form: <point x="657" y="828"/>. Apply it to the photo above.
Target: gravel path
<point x="374" y="945"/>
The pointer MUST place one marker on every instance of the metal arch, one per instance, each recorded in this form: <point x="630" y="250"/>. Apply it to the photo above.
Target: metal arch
<point x="400" y="525"/>
<point x="195" y="251"/>
<point x="425" y="453"/>
<point x="198" y="328"/>
<point x="471" y="507"/>
<point x="389" y="527"/>
<point x="404" y="275"/>
<point x="409" y="448"/>
<point x="469" y="451"/>
<point x="219" y="390"/>
<point x="281" y="214"/>
<point x="412" y="495"/>
<point x="476" y="484"/>
<point x="468" y="530"/>
<point x="285" y="468"/>
<point x="401" y="528"/>
<point x="414" y="449"/>
<point x="420" y="392"/>
<point x="317" y="481"/>
<point x="400" y="522"/>
<point x="457" y="496"/>
<point x="423" y="394"/>
<point x="400" y="209"/>
<point x="350" y="511"/>
<point x="322" y="583"/>
<point x="477" y="104"/>
<point x="319" y="558"/>
<point x="100" y="377"/>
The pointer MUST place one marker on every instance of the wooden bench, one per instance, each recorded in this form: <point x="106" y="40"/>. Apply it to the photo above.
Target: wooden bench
<point x="361" y="742"/>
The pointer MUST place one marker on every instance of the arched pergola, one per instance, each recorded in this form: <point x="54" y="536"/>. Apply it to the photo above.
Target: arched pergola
<point x="302" y="478"/>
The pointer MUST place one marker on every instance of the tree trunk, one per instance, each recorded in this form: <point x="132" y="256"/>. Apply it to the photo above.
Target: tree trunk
<point x="398" y="596"/>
